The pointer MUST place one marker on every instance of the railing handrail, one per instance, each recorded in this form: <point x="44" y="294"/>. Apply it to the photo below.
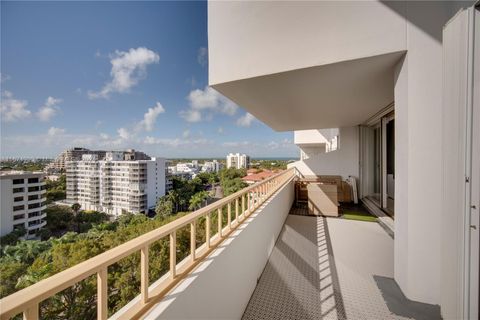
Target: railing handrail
<point x="34" y="294"/>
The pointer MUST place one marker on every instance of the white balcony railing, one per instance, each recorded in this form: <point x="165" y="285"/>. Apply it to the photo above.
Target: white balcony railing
<point x="239" y="205"/>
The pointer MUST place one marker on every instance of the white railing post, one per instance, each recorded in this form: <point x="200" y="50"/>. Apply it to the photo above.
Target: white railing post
<point x="144" y="280"/>
<point x="173" y="254"/>
<point x="243" y="205"/>
<point x="207" y="230"/>
<point x="229" y="216"/>
<point x="102" y="294"/>
<point x="219" y="213"/>
<point x="193" y="240"/>
<point x="236" y="210"/>
<point x="31" y="313"/>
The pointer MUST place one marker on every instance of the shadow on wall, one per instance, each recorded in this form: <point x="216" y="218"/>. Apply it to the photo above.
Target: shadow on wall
<point x="418" y="13"/>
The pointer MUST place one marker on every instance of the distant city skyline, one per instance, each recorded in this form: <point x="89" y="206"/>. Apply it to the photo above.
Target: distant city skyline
<point x="118" y="75"/>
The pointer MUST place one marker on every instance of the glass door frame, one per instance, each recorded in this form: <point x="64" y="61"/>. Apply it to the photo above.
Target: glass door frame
<point x="368" y="159"/>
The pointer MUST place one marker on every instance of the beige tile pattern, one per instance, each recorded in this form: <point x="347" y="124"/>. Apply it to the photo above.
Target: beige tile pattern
<point x="322" y="268"/>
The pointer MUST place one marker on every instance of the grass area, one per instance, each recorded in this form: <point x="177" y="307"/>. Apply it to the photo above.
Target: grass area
<point x="359" y="216"/>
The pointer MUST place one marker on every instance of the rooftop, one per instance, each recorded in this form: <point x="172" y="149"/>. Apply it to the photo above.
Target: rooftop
<point x="15" y="173"/>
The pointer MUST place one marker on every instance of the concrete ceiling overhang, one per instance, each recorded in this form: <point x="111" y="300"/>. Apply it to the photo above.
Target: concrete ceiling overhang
<point x="328" y="96"/>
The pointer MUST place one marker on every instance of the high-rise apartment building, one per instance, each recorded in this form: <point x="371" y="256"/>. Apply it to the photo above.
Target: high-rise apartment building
<point x="114" y="184"/>
<point x="23" y="202"/>
<point x="238" y="161"/>
<point x="76" y="153"/>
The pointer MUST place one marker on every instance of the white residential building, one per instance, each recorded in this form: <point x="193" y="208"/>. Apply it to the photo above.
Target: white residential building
<point x="187" y="167"/>
<point x="211" y="166"/>
<point x="76" y="153"/>
<point x="238" y="161"/>
<point x="22" y="202"/>
<point x="115" y="185"/>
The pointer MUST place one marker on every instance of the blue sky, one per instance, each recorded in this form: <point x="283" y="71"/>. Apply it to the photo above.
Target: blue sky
<point x="115" y="75"/>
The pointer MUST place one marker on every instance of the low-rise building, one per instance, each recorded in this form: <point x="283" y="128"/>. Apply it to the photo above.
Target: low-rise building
<point x="187" y="167"/>
<point x="258" y="176"/>
<point x="115" y="185"/>
<point x="23" y="202"/>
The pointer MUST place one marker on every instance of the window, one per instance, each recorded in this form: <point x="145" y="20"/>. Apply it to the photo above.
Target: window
<point x="34" y="223"/>
<point x="34" y="197"/>
<point x="17" y="190"/>
<point x="34" y="214"/>
<point x="18" y="208"/>
<point x="33" y="180"/>
<point x="18" y="181"/>
<point x="33" y="205"/>
<point x="17" y="199"/>
<point x="32" y="189"/>
<point x="18" y="216"/>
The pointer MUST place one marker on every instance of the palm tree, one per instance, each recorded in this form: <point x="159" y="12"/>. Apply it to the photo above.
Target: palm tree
<point x="197" y="200"/>
<point x="76" y="208"/>
<point x="173" y="196"/>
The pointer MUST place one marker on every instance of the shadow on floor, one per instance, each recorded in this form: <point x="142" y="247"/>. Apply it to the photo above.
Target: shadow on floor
<point x="300" y="279"/>
<point x="399" y="305"/>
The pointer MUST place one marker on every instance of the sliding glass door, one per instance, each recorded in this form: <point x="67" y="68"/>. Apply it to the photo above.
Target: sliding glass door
<point x="378" y="162"/>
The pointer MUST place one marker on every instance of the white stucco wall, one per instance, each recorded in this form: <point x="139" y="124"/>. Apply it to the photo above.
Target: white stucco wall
<point x="309" y="137"/>
<point x="455" y="55"/>
<point x="331" y="31"/>
<point x="418" y="153"/>
<point x="155" y="180"/>
<point x="6" y="205"/>
<point x="343" y="161"/>
<point x="221" y="287"/>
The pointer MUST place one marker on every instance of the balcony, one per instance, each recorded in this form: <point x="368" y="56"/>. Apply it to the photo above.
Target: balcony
<point x="39" y="208"/>
<point x="39" y="225"/>
<point x="307" y="267"/>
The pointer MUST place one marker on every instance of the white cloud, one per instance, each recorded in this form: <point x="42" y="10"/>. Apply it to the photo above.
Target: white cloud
<point x="104" y="136"/>
<point x="245" y="120"/>
<point x="236" y="144"/>
<point x="49" y="109"/>
<point x="131" y="132"/>
<point x="176" y="142"/>
<point x="150" y="117"/>
<point x="209" y="101"/>
<point x="191" y="115"/>
<point x="12" y="109"/>
<point x="220" y="130"/>
<point x="186" y="133"/>
<point x="53" y="131"/>
<point x="123" y="133"/>
<point x="202" y="56"/>
<point x="128" y="68"/>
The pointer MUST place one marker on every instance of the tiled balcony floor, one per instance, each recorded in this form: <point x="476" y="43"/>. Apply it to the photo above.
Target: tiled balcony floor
<point x="323" y="268"/>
